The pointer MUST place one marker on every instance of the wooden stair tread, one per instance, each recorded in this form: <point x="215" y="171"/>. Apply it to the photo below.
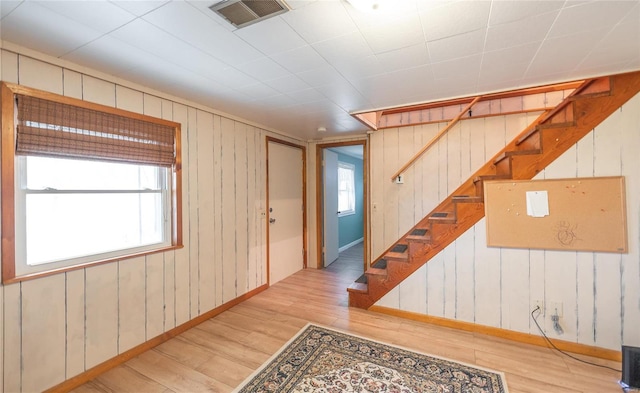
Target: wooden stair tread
<point x="372" y="271"/>
<point x="358" y="287"/>
<point x="467" y="199"/>
<point x="419" y="235"/>
<point x="380" y="264"/>
<point x="512" y="153"/>
<point x="443" y="217"/>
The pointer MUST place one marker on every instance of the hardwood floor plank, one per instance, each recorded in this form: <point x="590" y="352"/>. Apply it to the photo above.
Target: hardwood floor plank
<point x="220" y="353"/>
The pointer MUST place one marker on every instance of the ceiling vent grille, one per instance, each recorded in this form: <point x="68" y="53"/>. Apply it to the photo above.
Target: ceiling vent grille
<point x="241" y="13"/>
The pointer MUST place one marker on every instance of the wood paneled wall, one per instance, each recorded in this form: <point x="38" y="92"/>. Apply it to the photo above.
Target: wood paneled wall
<point x="497" y="287"/>
<point x="56" y="327"/>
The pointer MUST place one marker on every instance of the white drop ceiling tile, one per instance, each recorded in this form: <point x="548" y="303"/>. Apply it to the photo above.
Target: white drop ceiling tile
<point x="352" y="45"/>
<point x="619" y="46"/>
<point x="110" y="56"/>
<point x="461" y="45"/>
<point x="589" y="16"/>
<point x="193" y="27"/>
<point x="563" y="54"/>
<point x="345" y="95"/>
<point x="263" y="69"/>
<point x="7" y="6"/>
<point x="299" y="60"/>
<point x="359" y="67"/>
<point x="321" y="76"/>
<point x="516" y="54"/>
<point x="395" y="34"/>
<point x="498" y="71"/>
<point x="320" y="21"/>
<point x="258" y="91"/>
<point x="203" y="7"/>
<point x="271" y="36"/>
<point x="278" y="101"/>
<point x="306" y="96"/>
<point x="510" y="11"/>
<point x="463" y="66"/>
<point x="99" y="15"/>
<point x="524" y="31"/>
<point x="287" y="84"/>
<point x="38" y="28"/>
<point x="455" y="18"/>
<point x="389" y="11"/>
<point x="139" y="7"/>
<point x="409" y="57"/>
<point x="231" y="77"/>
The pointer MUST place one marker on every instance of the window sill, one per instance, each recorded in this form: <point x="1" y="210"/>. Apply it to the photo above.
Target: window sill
<point x="347" y="213"/>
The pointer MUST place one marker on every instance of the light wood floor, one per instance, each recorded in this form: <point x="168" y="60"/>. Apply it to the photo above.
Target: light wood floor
<point x="221" y="352"/>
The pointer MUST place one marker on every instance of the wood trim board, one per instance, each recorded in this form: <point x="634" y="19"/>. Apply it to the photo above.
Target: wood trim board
<point x="584" y="214"/>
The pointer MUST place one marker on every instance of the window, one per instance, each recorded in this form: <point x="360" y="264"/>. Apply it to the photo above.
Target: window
<point x="346" y="189"/>
<point x="84" y="184"/>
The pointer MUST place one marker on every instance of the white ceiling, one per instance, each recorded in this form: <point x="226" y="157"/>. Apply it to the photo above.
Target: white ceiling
<point x="323" y="60"/>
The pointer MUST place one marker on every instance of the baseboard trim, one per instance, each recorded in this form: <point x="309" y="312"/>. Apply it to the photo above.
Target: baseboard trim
<point x="353" y="243"/>
<point x="581" y="349"/>
<point x="103" y="367"/>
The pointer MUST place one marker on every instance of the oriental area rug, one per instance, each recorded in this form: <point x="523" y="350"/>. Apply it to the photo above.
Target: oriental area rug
<point x="323" y="360"/>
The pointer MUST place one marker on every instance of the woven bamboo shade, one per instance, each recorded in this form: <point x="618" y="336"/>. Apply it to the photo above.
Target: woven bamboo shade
<point x="54" y="129"/>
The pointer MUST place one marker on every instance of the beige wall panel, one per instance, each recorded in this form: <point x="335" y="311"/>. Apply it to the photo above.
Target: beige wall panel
<point x="242" y="209"/>
<point x="182" y="271"/>
<point x="430" y="189"/>
<point x="376" y="174"/>
<point x="435" y="286"/>
<point x="9" y="67"/>
<point x="98" y="90"/>
<point x="442" y="167"/>
<point x="465" y="275"/>
<point x="154" y="293"/>
<point x="206" y="212"/>
<point x="131" y="303"/>
<point x="152" y="106"/>
<point x="228" y="210"/>
<point x="453" y="158"/>
<point x="219" y="126"/>
<point x="263" y="203"/>
<point x="101" y="324"/>
<point x="536" y="287"/>
<point x="413" y="292"/>
<point x="487" y="280"/>
<point x="391" y="164"/>
<point x="515" y="289"/>
<point x="129" y="99"/>
<point x="608" y="324"/>
<point x="169" y="290"/>
<point x="75" y="322"/>
<point x="191" y="209"/>
<point x="586" y="298"/>
<point x="406" y="210"/>
<point x="253" y="210"/>
<point x="391" y="299"/>
<point x="630" y="124"/>
<point x="418" y="174"/>
<point x="450" y="280"/>
<point x="43" y="333"/>
<point x="167" y="110"/>
<point x="12" y="339"/>
<point x="40" y="75"/>
<point x="72" y="84"/>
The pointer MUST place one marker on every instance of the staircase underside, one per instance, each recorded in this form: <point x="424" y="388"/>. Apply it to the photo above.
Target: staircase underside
<point x="546" y="139"/>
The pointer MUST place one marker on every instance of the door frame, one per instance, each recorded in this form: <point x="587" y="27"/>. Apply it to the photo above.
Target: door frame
<point x="304" y="200"/>
<point x="320" y="199"/>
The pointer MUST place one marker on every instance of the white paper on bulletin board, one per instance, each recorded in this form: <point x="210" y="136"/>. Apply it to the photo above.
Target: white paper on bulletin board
<point x="583" y="214"/>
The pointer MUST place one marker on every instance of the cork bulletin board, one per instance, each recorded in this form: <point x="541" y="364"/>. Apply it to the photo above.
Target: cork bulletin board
<point x="583" y="214"/>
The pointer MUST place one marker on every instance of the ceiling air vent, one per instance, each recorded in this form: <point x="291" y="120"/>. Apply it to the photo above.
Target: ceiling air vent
<point x="241" y="13"/>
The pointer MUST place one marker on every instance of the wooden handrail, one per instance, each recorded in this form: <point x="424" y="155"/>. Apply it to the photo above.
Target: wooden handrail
<point x="435" y="138"/>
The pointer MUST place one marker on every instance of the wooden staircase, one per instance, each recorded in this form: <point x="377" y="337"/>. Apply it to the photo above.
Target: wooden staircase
<point x="548" y="137"/>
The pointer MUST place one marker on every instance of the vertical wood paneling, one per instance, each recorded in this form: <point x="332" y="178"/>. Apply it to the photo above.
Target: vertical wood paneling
<point x="39" y="75"/>
<point x="630" y="124"/>
<point x="169" y="256"/>
<point x="228" y="211"/>
<point x="253" y="211"/>
<point x="9" y="67"/>
<point x="241" y="210"/>
<point x="412" y="293"/>
<point x="206" y="212"/>
<point x="390" y="190"/>
<point x="443" y="167"/>
<point x="132" y="303"/>
<point x="98" y="91"/>
<point x="75" y="315"/>
<point x="43" y="333"/>
<point x="101" y="310"/>
<point x="72" y="84"/>
<point x="465" y="284"/>
<point x="182" y="260"/>
<point x="406" y="214"/>
<point x="219" y="128"/>
<point x="430" y="190"/>
<point x="376" y="143"/>
<point x="262" y="146"/>
<point x="435" y="286"/>
<point x="129" y="99"/>
<point x="192" y="208"/>
<point x="12" y="325"/>
<point x="154" y="285"/>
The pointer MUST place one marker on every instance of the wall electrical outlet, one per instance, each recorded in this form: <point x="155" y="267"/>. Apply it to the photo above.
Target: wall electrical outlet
<point x="538" y="303"/>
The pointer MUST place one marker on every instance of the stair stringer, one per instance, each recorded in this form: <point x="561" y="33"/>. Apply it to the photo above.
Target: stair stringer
<point x="552" y="138"/>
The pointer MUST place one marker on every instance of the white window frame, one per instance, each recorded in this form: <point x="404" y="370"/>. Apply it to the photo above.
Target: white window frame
<point x="14" y="193"/>
<point x="350" y="189"/>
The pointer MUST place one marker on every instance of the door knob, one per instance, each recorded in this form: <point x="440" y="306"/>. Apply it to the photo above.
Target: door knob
<point x="272" y="220"/>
